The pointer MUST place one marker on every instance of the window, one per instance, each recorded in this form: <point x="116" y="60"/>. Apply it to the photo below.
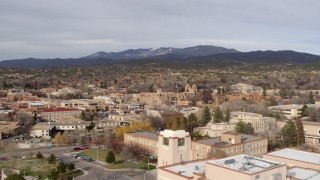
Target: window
<point x="197" y="147"/>
<point x="258" y="176"/>
<point x="166" y="141"/>
<point x="208" y="149"/>
<point x="226" y="151"/>
<point x="202" y="156"/>
<point x="197" y="155"/>
<point x="180" y="141"/>
<point x="202" y="148"/>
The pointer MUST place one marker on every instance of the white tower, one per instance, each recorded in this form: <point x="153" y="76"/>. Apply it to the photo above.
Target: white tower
<point x="174" y="146"/>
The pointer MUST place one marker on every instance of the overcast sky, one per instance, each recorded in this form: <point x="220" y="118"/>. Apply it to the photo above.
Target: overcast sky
<point x="76" y="28"/>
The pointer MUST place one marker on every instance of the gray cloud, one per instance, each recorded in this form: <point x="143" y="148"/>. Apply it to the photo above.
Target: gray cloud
<point x="74" y="28"/>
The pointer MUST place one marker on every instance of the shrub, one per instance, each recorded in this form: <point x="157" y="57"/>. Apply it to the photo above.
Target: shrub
<point x="39" y="155"/>
<point x="52" y="159"/>
<point x="110" y="157"/>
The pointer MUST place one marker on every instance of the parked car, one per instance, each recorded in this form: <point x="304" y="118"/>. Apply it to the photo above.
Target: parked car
<point x="75" y="155"/>
<point x="88" y="159"/>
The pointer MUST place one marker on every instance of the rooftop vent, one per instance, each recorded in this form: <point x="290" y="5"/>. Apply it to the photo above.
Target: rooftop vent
<point x="229" y="161"/>
<point x="196" y="168"/>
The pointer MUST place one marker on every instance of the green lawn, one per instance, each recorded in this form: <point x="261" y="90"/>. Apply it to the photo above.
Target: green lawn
<point x="120" y="163"/>
<point x="36" y="167"/>
<point x="32" y="167"/>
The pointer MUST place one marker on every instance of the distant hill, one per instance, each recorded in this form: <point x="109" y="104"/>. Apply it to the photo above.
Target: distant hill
<point x="180" y="53"/>
<point x="285" y="56"/>
<point x="189" y="57"/>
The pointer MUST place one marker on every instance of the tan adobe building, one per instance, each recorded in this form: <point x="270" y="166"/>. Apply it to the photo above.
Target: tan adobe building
<point x="293" y="157"/>
<point x="161" y="98"/>
<point x="311" y="130"/>
<point x="52" y="113"/>
<point x="240" y="167"/>
<point x="20" y="95"/>
<point x="43" y="130"/>
<point x="147" y="140"/>
<point x="229" y="144"/>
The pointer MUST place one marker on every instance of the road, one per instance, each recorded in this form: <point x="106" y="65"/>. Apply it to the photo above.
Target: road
<point x="93" y="170"/>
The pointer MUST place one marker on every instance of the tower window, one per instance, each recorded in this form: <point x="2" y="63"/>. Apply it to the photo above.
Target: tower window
<point x="180" y="141"/>
<point x="166" y="141"/>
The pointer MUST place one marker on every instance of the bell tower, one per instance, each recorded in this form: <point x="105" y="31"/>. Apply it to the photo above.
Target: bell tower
<point x="174" y="143"/>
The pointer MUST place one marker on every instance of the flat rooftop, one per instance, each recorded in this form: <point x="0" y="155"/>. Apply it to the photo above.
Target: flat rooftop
<point x="189" y="168"/>
<point x="216" y="141"/>
<point x="146" y="135"/>
<point x="301" y="173"/>
<point x="245" y="164"/>
<point x="297" y="155"/>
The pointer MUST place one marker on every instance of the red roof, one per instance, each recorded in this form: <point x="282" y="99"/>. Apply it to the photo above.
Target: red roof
<point x="59" y="109"/>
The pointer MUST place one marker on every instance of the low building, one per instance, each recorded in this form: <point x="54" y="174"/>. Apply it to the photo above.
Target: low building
<point x="299" y="173"/>
<point x="215" y="129"/>
<point x="242" y="88"/>
<point x="293" y="157"/>
<point x="147" y="140"/>
<point x="52" y="113"/>
<point x="229" y="144"/>
<point x="261" y="124"/>
<point x="241" y="167"/>
<point x="42" y="130"/>
<point x="290" y="111"/>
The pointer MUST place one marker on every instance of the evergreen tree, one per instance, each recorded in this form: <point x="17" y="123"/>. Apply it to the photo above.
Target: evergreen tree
<point x="52" y="159"/>
<point x="191" y="123"/>
<point x="244" y="128"/>
<point x="311" y="98"/>
<point x="240" y="126"/>
<point x="193" y="102"/>
<point x="206" y="116"/>
<point x="283" y="93"/>
<point x="218" y="116"/>
<point x="54" y="175"/>
<point x="248" y="129"/>
<point x="289" y="133"/>
<point x="61" y="168"/>
<point x="300" y="132"/>
<point x="70" y="166"/>
<point x="304" y="111"/>
<point x="228" y="116"/>
<point x="110" y="157"/>
<point x="39" y="155"/>
<point x="264" y="93"/>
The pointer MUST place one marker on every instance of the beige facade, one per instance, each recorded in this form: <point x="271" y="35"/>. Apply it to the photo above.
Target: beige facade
<point x="53" y="113"/>
<point x="215" y="129"/>
<point x="229" y="144"/>
<point x="161" y="98"/>
<point x="148" y="141"/>
<point x="173" y="147"/>
<point x="261" y="124"/>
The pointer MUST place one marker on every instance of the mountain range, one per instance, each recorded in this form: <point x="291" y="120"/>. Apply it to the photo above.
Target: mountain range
<point x="204" y="54"/>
